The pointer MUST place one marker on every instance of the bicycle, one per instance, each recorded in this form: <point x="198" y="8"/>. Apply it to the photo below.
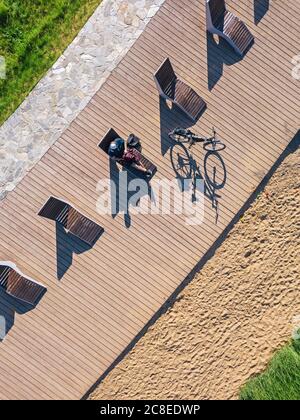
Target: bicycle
<point x="210" y="144"/>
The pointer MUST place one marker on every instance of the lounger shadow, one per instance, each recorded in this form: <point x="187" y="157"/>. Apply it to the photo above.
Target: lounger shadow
<point x="75" y="233"/>
<point x="261" y="7"/>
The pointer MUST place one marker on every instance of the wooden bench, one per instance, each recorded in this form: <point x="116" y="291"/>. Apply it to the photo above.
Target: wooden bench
<point x="178" y="92"/>
<point x="112" y="135"/>
<point x="228" y="26"/>
<point x="18" y="286"/>
<point x="72" y="220"/>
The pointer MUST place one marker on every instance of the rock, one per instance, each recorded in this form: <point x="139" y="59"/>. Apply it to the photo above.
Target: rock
<point x="59" y="70"/>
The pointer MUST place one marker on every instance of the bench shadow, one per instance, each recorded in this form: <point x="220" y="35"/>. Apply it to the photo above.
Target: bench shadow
<point x="171" y="117"/>
<point x="261" y="7"/>
<point x="9" y="306"/>
<point x="67" y="245"/>
<point x="219" y="54"/>
<point x="291" y="148"/>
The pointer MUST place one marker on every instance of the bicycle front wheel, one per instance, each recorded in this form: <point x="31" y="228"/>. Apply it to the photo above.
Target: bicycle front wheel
<point x="214" y="146"/>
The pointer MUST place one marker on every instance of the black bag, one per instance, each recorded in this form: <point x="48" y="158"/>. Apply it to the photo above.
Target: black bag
<point x="133" y="142"/>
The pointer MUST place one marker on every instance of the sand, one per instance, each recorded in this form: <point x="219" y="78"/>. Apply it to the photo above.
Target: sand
<point x="226" y="324"/>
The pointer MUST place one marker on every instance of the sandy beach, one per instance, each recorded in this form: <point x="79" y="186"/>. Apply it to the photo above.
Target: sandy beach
<point x="227" y="323"/>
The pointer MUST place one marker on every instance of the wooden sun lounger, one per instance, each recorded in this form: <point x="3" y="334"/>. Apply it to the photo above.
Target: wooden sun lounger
<point x="18" y="286"/>
<point x="73" y="221"/>
<point x="177" y="91"/>
<point x="112" y="135"/>
<point x="228" y="26"/>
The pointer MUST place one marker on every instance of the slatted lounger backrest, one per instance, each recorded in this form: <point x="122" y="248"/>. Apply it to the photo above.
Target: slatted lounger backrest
<point x="72" y="220"/>
<point x="4" y="274"/>
<point x="54" y="209"/>
<point x="165" y="78"/>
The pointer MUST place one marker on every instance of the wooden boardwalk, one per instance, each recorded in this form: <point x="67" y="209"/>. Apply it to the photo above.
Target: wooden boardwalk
<point x="107" y="294"/>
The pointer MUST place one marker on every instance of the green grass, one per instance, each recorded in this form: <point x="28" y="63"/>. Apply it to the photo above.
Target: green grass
<point x="281" y="381"/>
<point x="33" y="34"/>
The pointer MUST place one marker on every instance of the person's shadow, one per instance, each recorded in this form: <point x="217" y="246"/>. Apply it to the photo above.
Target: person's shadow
<point x="67" y="245"/>
<point x="114" y="172"/>
<point x="9" y="306"/>
<point x="261" y="7"/>
<point x="219" y="54"/>
<point x="171" y="117"/>
<point x="120" y="195"/>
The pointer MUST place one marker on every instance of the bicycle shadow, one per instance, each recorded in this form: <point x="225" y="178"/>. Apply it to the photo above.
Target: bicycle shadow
<point x="208" y="181"/>
<point x="212" y="161"/>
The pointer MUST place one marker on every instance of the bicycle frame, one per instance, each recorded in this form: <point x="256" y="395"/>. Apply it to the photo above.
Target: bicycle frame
<point x="191" y="139"/>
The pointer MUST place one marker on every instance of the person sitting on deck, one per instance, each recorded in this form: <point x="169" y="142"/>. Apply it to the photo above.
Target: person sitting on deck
<point x="128" y="157"/>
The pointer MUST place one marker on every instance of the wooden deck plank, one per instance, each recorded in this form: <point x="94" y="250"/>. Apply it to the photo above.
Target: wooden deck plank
<point x="108" y="293"/>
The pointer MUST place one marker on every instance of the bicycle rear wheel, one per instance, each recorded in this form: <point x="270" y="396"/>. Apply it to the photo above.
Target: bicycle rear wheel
<point x="181" y="161"/>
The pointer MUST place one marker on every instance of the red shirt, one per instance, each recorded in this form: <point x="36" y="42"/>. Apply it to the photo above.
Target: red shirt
<point x="131" y="156"/>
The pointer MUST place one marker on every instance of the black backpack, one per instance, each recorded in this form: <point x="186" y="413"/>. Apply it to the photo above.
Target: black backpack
<point x="133" y="142"/>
